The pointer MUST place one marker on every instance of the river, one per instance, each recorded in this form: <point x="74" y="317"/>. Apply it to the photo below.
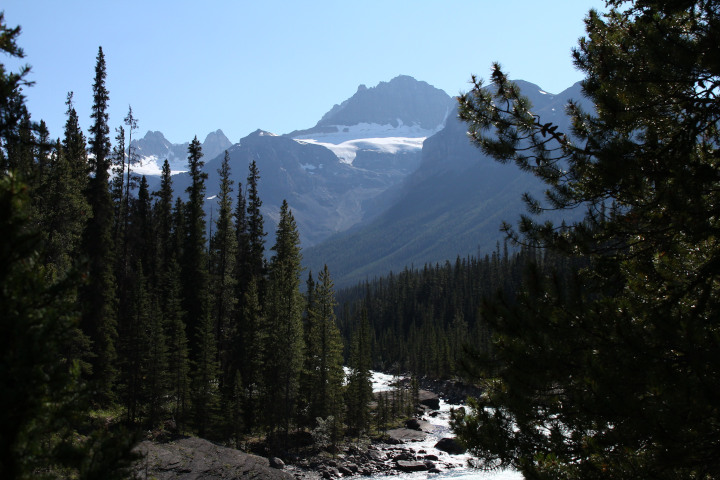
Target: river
<point x="440" y="428"/>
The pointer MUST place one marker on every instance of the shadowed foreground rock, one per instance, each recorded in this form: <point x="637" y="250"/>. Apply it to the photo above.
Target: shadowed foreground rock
<point x="194" y="458"/>
<point x="451" y="446"/>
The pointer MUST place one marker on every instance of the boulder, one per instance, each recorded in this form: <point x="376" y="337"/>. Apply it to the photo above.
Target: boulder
<point x="429" y="399"/>
<point x="275" y="462"/>
<point x="451" y="446"/>
<point x="191" y="458"/>
<point x="411" y="466"/>
<point x="412" y="424"/>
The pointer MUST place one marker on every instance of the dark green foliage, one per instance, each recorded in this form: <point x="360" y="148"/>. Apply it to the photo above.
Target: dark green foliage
<point x="255" y="225"/>
<point x="252" y="355"/>
<point x="323" y="370"/>
<point x="250" y="285"/>
<point x="223" y="267"/>
<point x="43" y="400"/>
<point x="97" y="296"/>
<point x="284" y="331"/>
<point x="205" y="374"/>
<point x="177" y="344"/>
<point x="421" y="320"/>
<point x="194" y="257"/>
<point x="12" y="101"/>
<point x="359" y="392"/>
<point x="614" y="374"/>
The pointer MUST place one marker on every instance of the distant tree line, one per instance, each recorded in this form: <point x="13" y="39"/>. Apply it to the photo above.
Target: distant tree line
<point x="426" y="321"/>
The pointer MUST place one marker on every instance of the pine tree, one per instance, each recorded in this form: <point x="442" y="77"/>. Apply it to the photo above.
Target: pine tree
<point x="194" y="260"/>
<point x="359" y="389"/>
<point x="224" y="293"/>
<point x="205" y="376"/>
<point x="12" y="100"/>
<point x="255" y="224"/>
<point x="284" y="340"/>
<point x="177" y="343"/>
<point x="613" y="373"/>
<point x="250" y="284"/>
<point x="323" y="353"/>
<point x="254" y="333"/>
<point x="97" y="296"/>
<point x="223" y="259"/>
<point x="43" y="402"/>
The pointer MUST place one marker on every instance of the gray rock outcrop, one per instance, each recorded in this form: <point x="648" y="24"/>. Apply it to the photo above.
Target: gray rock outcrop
<point x="194" y="459"/>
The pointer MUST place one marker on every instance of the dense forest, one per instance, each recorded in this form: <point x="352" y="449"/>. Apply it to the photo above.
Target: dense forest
<point x="427" y="321"/>
<point x="142" y="318"/>
<point x="596" y="343"/>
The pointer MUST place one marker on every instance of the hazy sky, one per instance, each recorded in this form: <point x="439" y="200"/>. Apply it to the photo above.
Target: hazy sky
<point x="189" y="68"/>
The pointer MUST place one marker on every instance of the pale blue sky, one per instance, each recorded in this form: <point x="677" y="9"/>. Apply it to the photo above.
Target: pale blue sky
<point x="189" y="68"/>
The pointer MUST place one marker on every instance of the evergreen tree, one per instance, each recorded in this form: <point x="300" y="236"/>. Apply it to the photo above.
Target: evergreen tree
<point x="205" y="376"/>
<point x="134" y="346"/>
<point x="224" y="291"/>
<point x="323" y="354"/>
<point x="255" y="227"/>
<point x="250" y="285"/>
<point x="254" y="335"/>
<point x="613" y="374"/>
<point x="195" y="268"/>
<point x="163" y="220"/>
<point x="118" y="185"/>
<point x="97" y="296"/>
<point x="359" y="392"/>
<point x="224" y="249"/>
<point x="43" y="402"/>
<point x="177" y="343"/>
<point x="284" y="341"/>
<point x="12" y="101"/>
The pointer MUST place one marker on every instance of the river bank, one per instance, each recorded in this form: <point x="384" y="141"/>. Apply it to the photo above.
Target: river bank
<point x="420" y="448"/>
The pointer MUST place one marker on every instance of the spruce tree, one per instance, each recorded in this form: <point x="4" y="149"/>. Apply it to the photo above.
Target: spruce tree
<point x="323" y="355"/>
<point x="194" y="259"/>
<point x="44" y="402"/>
<point x="284" y="338"/>
<point x="12" y="100"/>
<point x="223" y="260"/>
<point x="254" y="334"/>
<point x="255" y="227"/>
<point x="224" y="292"/>
<point x="163" y="219"/>
<point x="612" y="374"/>
<point x="97" y="296"/>
<point x="359" y="389"/>
<point x="177" y="343"/>
<point x="205" y="376"/>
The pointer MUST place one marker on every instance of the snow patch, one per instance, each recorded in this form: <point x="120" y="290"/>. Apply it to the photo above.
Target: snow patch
<point x="152" y="165"/>
<point x="345" y="133"/>
<point x="347" y="151"/>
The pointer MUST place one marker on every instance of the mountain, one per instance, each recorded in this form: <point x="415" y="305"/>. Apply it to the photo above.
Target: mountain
<point x="154" y="148"/>
<point x="383" y="127"/>
<point x="337" y="175"/>
<point x="453" y="204"/>
<point x="326" y="195"/>
<point x="386" y="179"/>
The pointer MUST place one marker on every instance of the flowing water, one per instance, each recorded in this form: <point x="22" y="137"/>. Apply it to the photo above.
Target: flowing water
<point x="440" y="428"/>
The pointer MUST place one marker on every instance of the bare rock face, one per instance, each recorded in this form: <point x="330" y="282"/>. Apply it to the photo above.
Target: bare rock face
<point x="194" y="458"/>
